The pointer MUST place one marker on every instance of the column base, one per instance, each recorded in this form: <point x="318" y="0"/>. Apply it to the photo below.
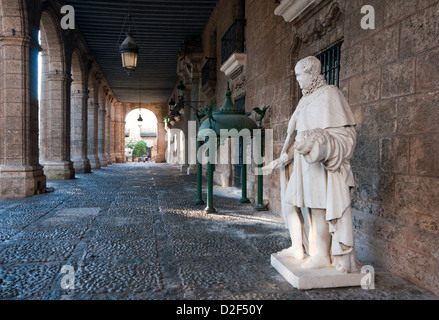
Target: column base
<point x="261" y="207"/>
<point x="104" y="161"/>
<point x="95" y="163"/>
<point x="21" y="181"/>
<point x="244" y="200"/>
<point x="119" y="159"/>
<point x="210" y="210"/>
<point x="62" y="170"/>
<point x="109" y="160"/>
<point x="81" y="166"/>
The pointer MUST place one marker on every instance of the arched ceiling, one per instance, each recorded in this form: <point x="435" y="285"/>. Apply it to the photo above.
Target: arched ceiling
<point x="162" y="27"/>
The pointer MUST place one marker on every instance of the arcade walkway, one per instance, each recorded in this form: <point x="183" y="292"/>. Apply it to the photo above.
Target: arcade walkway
<point x="131" y="231"/>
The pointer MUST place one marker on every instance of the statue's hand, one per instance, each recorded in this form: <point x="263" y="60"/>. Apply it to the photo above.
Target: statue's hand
<point x="283" y="161"/>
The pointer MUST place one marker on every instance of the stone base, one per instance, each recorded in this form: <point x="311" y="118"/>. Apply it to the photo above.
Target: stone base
<point x="95" y="163"/>
<point x="82" y="166"/>
<point x="59" y="170"/>
<point x="119" y="159"/>
<point x="21" y="182"/>
<point x="103" y="160"/>
<point x="304" y="279"/>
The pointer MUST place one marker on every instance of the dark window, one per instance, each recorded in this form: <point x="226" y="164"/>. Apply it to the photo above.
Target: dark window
<point x="240" y="103"/>
<point x="209" y="71"/>
<point x="233" y="40"/>
<point x="238" y="167"/>
<point x="330" y="60"/>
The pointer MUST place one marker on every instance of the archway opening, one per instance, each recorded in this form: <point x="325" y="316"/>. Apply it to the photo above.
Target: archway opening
<point x="141" y="137"/>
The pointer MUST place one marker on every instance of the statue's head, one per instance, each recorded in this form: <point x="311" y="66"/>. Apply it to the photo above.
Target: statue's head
<point x="307" y="71"/>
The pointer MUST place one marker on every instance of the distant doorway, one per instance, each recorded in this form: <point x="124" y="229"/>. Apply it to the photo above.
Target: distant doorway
<point x="141" y="137"/>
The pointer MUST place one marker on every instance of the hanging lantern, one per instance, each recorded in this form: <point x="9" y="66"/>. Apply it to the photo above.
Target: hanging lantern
<point x="129" y="51"/>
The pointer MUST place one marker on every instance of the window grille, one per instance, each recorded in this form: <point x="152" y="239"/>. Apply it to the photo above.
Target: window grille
<point x="233" y="40"/>
<point x="330" y="60"/>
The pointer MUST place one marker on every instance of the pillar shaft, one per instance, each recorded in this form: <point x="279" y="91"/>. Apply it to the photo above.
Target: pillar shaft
<point x="55" y="127"/>
<point x="92" y="135"/>
<point x="101" y="137"/>
<point x="21" y="175"/>
<point x="78" y="144"/>
<point x="107" y="138"/>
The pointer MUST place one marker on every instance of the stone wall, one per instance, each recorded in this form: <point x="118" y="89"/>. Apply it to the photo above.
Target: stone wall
<point x="390" y="77"/>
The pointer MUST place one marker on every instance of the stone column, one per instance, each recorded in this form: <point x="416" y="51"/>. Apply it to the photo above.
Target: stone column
<point x="195" y="96"/>
<point x="78" y="144"/>
<point x="55" y="128"/>
<point x="92" y="135"/>
<point x="117" y="140"/>
<point x="108" y="133"/>
<point x="21" y="175"/>
<point x="101" y="135"/>
<point x="113" y="141"/>
<point x="161" y="143"/>
<point x="185" y="128"/>
<point x="122" y="141"/>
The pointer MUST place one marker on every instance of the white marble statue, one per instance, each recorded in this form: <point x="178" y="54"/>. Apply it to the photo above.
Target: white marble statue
<point x="316" y="176"/>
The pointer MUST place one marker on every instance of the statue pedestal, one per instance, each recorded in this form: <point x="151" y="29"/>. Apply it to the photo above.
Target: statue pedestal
<point x="304" y="279"/>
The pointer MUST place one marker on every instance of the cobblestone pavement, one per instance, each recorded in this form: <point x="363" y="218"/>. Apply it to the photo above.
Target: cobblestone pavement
<point x="133" y="232"/>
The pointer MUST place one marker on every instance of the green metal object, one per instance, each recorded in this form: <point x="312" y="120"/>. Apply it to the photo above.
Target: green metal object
<point x="200" y="200"/>
<point x="260" y="197"/>
<point x="210" y="209"/>
<point x="244" y="198"/>
<point x="227" y="118"/>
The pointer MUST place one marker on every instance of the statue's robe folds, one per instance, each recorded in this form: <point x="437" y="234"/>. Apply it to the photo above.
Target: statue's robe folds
<point x="323" y="179"/>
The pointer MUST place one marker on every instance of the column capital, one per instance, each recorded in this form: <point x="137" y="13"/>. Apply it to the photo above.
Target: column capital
<point x="59" y="76"/>
<point x="80" y="95"/>
<point x="20" y="41"/>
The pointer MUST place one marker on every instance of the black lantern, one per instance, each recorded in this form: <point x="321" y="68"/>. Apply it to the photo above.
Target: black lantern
<point x="172" y="104"/>
<point x="181" y="90"/>
<point x="129" y="51"/>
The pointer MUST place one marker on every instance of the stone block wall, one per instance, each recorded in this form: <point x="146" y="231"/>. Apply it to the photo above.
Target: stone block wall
<point x="390" y="76"/>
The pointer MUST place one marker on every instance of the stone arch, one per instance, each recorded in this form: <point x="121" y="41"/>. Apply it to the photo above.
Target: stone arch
<point x="55" y="100"/>
<point x="52" y="43"/>
<point x="160" y="110"/>
<point x="149" y="126"/>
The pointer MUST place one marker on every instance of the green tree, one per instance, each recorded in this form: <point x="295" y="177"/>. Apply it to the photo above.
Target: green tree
<point x="140" y="149"/>
<point x="130" y="144"/>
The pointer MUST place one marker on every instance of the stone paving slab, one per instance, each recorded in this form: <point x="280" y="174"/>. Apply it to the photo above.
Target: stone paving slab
<point x="133" y="232"/>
